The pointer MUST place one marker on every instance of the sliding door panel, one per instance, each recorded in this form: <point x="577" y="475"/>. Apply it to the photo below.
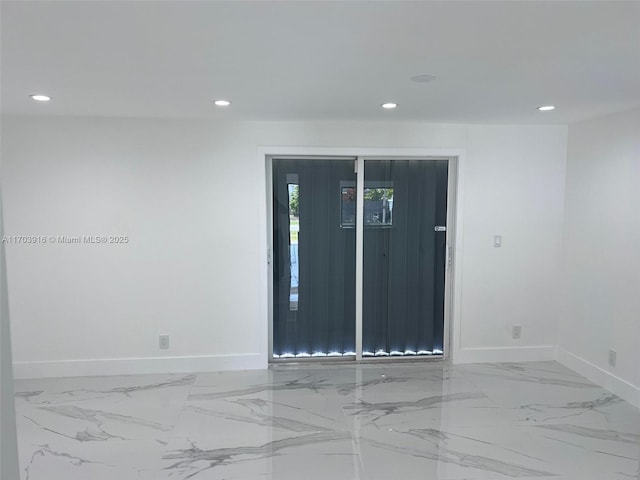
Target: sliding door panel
<point x="314" y="258"/>
<point x="404" y="257"/>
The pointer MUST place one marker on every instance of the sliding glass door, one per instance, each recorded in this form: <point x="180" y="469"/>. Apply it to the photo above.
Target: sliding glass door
<point x="314" y="252"/>
<point x="404" y="245"/>
<point x="404" y="228"/>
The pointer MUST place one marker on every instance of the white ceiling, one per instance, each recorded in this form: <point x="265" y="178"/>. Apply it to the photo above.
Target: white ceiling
<point x="495" y="61"/>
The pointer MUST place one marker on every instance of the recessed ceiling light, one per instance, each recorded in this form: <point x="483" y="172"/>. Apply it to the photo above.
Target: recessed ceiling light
<point x="389" y="105"/>
<point x="222" y="103"/>
<point x="546" y="108"/>
<point x="40" y="98"/>
<point x="423" y="78"/>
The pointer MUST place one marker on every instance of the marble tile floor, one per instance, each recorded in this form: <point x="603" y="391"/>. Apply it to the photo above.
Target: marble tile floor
<point x="427" y="421"/>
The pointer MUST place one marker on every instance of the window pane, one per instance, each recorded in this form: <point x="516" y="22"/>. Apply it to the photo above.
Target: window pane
<point x="294" y="228"/>
<point x="378" y="206"/>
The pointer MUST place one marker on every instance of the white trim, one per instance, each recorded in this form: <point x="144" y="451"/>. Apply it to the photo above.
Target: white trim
<point x="536" y="353"/>
<point x="263" y="236"/>
<point x="359" y="254"/>
<point x="449" y="257"/>
<point x="269" y="213"/>
<point x="138" y="366"/>
<point x="455" y="328"/>
<point x="625" y="390"/>
<point x="278" y="151"/>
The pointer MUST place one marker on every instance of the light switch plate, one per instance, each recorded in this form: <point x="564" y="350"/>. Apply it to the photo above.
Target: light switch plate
<point x="497" y="241"/>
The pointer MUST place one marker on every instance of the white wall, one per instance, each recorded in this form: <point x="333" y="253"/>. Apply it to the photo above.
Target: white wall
<point x="8" y="440"/>
<point x="193" y="267"/>
<point x="602" y="252"/>
<point x="514" y="187"/>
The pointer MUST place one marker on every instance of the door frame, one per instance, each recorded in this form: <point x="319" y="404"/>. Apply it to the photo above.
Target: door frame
<point x="453" y="272"/>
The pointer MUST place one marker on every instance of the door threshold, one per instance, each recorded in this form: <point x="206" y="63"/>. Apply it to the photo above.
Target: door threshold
<point x="315" y="360"/>
<point x="402" y="358"/>
<point x="351" y="360"/>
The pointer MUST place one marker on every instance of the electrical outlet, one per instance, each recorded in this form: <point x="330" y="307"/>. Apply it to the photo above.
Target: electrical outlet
<point x="163" y="342"/>
<point x="613" y="358"/>
<point x="516" y="332"/>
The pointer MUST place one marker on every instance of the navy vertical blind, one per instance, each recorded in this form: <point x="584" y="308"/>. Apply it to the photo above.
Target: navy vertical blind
<point x="404" y="257"/>
<point x="404" y="262"/>
<point x="321" y="319"/>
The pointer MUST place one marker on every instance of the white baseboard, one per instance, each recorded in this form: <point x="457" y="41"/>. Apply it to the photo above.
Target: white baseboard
<point x="535" y="353"/>
<point x="136" y="366"/>
<point x="625" y="390"/>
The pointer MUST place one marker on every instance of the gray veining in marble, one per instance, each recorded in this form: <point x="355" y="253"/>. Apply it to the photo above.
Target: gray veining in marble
<point x="189" y="458"/>
<point x="431" y="421"/>
<point x="466" y="460"/>
<point x="612" y="435"/>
